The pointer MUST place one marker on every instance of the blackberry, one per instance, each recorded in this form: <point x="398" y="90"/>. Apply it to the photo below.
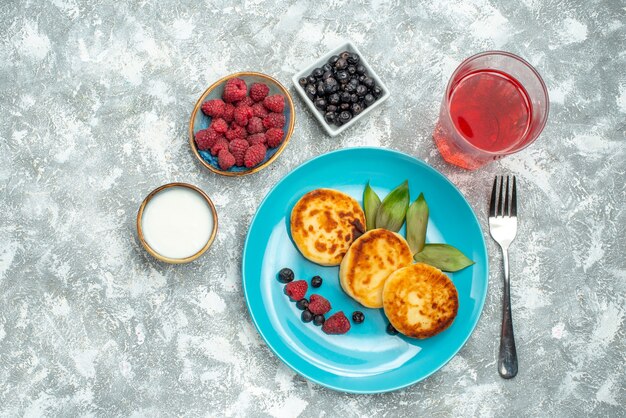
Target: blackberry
<point x="369" y="99"/>
<point x="358" y="317"/>
<point x="302" y="304"/>
<point x="334" y="99"/>
<point x="345" y="116"/>
<point x="368" y="82"/>
<point x="320" y="103"/>
<point x="307" y="316"/>
<point x="341" y="64"/>
<point x="317" y="73"/>
<point x="285" y="275"/>
<point x="361" y="90"/>
<point x="316" y="281"/>
<point x="391" y="330"/>
<point x="319" y="320"/>
<point x="303" y="82"/>
<point x="332" y="60"/>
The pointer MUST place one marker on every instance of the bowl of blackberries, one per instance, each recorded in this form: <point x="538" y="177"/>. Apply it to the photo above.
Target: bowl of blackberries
<point x="340" y="88"/>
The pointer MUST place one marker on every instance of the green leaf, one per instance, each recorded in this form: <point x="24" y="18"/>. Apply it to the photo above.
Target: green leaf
<point x="416" y="223"/>
<point x="393" y="209"/>
<point x="443" y="256"/>
<point x="371" y="202"/>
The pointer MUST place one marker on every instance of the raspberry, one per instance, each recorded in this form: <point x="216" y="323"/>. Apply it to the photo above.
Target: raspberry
<point x="213" y="108"/>
<point x="228" y="112"/>
<point x="336" y="324"/>
<point x="206" y="138"/>
<point x="318" y="305"/>
<point x="236" y="132"/>
<point x="242" y="115"/>
<point x="246" y="101"/>
<point x="275" y="103"/>
<point x="257" y="139"/>
<point x="274" y="120"/>
<point x="295" y="290"/>
<point x="254" y="156"/>
<point x="219" y="125"/>
<point x="238" y="148"/>
<point x="259" y="110"/>
<point x="225" y="159"/>
<point x="274" y="137"/>
<point x="255" y="125"/>
<point x="219" y="145"/>
<point x="234" y="90"/>
<point x="259" y="91"/>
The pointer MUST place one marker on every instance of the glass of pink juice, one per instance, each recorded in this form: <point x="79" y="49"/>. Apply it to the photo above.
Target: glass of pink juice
<point x="495" y="105"/>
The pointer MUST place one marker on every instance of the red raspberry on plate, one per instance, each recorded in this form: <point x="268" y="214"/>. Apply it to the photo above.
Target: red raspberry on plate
<point x="254" y="156"/>
<point x="319" y="305"/>
<point x="259" y="91"/>
<point x="275" y="103"/>
<point x="255" y="125"/>
<point x="336" y="324"/>
<point x="219" y="125"/>
<point x="234" y="90"/>
<point x="274" y="120"/>
<point x="296" y="290"/>
<point x="246" y="101"/>
<point x="206" y="138"/>
<point x="213" y="108"/>
<point x="236" y="132"/>
<point x="225" y="159"/>
<point x="257" y="139"/>
<point x="274" y="137"/>
<point x="229" y="109"/>
<point x="259" y="110"/>
<point x="238" y="148"/>
<point x="242" y="115"/>
<point x="219" y="145"/>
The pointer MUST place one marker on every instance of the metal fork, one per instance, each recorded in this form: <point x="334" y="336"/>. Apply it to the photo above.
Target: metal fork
<point x="503" y="229"/>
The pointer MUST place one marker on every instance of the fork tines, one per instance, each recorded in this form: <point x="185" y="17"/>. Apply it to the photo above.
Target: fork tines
<point x="499" y="204"/>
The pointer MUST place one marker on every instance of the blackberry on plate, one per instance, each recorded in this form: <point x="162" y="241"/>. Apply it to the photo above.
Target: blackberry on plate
<point x="307" y="316"/>
<point x="369" y="99"/>
<point x="316" y="281"/>
<point x="285" y="275"/>
<point x="317" y="73"/>
<point x="302" y="304"/>
<point x="320" y="103"/>
<point x="319" y="320"/>
<point x="358" y="317"/>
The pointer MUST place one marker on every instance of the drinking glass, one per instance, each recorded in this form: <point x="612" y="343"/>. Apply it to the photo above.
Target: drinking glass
<point x="495" y="104"/>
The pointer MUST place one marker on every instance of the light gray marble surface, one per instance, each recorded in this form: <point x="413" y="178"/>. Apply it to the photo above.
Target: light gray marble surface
<point x="94" y="108"/>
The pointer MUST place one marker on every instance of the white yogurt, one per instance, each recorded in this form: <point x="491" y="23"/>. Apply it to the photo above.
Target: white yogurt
<point x="177" y="222"/>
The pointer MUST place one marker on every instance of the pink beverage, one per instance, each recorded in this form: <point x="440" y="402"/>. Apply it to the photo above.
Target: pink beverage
<point x="495" y="105"/>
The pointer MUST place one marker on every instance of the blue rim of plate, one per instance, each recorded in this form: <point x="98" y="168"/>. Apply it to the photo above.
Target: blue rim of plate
<point x="482" y="250"/>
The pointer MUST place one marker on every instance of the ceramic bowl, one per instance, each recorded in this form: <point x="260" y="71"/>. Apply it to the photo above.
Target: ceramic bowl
<point x="334" y="130"/>
<point x="200" y="121"/>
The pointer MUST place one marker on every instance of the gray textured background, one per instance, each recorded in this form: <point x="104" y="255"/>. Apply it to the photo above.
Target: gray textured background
<point x="94" y="109"/>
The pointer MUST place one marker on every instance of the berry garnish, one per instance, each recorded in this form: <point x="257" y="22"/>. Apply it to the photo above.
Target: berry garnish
<point x="391" y="330"/>
<point x="307" y="316"/>
<point x="296" y="290"/>
<point x="302" y="304"/>
<point x="319" y="305"/>
<point x="336" y="324"/>
<point x="316" y="281"/>
<point x="318" y="320"/>
<point x="358" y="317"/>
<point x="285" y="275"/>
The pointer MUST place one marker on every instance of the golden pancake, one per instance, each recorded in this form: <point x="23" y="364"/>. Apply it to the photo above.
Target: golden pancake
<point x="368" y="263"/>
<point x="324" y="223"/>
<point x="420" y="301"/>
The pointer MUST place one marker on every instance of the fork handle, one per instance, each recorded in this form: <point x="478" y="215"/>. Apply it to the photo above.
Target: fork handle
<point x="507" y="359"/>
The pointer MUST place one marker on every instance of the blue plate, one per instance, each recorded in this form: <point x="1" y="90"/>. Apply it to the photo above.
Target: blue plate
<point x="366" y="359"/>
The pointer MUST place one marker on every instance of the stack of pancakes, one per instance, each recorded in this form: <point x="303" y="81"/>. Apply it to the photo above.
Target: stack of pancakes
<point x="376" y="267"/>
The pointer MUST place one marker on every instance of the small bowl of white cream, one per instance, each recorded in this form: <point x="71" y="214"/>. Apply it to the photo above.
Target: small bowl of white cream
<point x="177" y="223"/>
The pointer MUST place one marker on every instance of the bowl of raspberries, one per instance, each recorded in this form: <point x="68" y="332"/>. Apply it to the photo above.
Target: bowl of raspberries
<point x="340" y="88"/>
<point x="241" y="123"/>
